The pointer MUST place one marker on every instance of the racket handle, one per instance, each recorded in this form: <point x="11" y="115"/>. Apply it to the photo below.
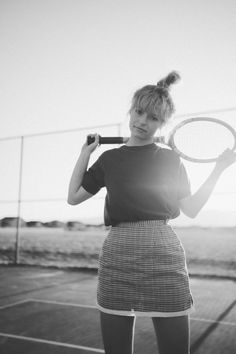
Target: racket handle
<point x="116" y="139"/>
<point x="107" y="139"/>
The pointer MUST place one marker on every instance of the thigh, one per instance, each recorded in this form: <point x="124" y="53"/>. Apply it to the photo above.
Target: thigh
<point x="172" y="334"/>
<point x="117" y="333"/>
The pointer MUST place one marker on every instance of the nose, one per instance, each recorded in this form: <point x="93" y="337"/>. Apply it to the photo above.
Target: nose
<point x="143" y="119"/>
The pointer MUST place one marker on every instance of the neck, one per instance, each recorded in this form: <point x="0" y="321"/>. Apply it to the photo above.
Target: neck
<point x="135" y="141"/>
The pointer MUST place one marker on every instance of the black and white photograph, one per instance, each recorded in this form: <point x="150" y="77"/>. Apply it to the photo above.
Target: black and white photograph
<point x="117" y="183"/>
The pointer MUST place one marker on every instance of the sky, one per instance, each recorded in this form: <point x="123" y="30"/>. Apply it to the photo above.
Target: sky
<point x="71" y="64"/>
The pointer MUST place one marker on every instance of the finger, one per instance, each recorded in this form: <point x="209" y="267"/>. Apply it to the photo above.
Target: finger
<point x="92" y="138"/>
<point x="226" y="153"/>
<point x="96" y="139"/>
<point x="95" y="143"/>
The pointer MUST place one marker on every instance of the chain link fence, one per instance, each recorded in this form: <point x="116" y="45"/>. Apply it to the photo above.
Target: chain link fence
<point x="36" y="221"/>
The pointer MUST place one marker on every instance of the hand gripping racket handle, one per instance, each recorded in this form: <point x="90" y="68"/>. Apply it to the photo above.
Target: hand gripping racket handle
<point x="107" y="139"/>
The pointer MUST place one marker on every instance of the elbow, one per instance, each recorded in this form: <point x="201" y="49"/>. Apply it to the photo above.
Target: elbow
<point x="188" y="208"/>
<point x="190" y="213"/>
<point x="71" y="201"/>
<point x="78" y="197"/>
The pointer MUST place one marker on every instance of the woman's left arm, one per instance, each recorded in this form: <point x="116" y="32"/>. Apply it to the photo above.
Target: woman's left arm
<point x="191" y="205"/>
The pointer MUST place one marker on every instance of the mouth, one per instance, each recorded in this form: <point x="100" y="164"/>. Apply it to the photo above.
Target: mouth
<point x="140" y="129"/>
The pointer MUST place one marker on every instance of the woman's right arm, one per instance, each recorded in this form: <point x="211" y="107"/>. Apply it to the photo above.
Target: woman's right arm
<point x="191" y="205"/>
<point x="77" y="194"/>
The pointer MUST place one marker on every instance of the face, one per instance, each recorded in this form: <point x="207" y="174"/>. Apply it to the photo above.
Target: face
<point x="143" y="125"/>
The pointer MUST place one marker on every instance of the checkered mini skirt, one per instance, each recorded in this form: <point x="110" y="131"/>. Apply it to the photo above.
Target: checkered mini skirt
<point x="142" y="271"/>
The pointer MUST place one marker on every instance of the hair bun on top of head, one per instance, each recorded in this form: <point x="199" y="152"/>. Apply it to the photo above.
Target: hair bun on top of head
<point x="167" y="81"/>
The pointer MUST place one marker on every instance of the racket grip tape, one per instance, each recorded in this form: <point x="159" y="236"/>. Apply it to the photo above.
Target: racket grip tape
<point x="106" y="139"/>
<point x="116" y="139"/>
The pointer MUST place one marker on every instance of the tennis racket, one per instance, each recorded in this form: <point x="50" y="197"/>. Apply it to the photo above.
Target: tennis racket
<point x="200" y="139"/>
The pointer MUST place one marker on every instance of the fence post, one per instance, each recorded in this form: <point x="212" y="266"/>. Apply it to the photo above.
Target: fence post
<point x="119" y="130"/>
<point x="17" y="244"/>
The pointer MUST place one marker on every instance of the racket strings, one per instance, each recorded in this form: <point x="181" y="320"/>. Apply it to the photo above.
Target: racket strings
<point x="203" y="140"/>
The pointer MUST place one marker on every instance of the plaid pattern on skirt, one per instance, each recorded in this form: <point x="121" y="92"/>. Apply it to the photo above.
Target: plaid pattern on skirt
<point x="142" y="271"/>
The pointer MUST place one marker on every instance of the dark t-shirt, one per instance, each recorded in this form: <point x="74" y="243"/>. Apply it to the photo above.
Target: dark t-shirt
<point x="143" y="183"/>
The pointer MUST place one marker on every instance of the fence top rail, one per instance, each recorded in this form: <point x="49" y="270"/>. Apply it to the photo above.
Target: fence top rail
<point x="61" y="199"/>
<point x="212" y="111"/>
<point x="60" y="131"/>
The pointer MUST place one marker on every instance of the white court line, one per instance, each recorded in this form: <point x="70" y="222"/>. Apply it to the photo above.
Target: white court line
<point x="65" y="345"/>
<point x="63" y="303"/>
<point x="212" y="321"/>
<point x="14" y="304"/>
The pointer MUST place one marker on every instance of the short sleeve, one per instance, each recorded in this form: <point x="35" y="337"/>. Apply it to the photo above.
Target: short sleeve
<point x="93" y="179"/>
<point x="184" y="187"/>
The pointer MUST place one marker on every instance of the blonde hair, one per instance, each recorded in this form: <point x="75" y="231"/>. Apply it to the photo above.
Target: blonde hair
<point x="156" y="99"/>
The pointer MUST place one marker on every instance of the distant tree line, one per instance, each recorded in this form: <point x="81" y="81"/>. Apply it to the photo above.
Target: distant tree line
<point x="70" y="225"/>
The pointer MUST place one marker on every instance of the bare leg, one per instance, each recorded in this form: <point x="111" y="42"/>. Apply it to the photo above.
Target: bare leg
<point x="117" y="333"/>
<point x="172" y="334"/>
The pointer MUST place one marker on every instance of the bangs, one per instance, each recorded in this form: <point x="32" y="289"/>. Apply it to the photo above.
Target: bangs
<point x="150" y="104"/>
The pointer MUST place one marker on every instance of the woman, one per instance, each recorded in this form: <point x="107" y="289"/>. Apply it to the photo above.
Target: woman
<point x="142" y="267"/>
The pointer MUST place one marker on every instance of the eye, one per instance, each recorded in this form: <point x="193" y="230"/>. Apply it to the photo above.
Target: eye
<point x="139" y="111"/>
<point x="154" y="118"/>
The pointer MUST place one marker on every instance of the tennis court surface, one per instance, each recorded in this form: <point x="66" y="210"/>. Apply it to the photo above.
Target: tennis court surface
<point x="45" y="310"/>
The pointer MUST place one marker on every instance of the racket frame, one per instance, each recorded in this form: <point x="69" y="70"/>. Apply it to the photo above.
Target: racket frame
<point x="171" y="141"/>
